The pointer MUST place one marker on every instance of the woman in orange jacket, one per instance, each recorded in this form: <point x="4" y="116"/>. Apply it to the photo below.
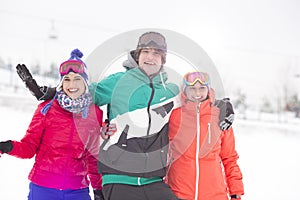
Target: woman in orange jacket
<point x="204" y="160"/>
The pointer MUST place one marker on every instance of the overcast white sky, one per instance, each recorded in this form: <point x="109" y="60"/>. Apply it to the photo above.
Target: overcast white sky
<point x="254" y="44"/>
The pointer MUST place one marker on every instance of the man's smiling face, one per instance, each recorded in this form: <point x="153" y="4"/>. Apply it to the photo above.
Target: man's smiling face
<point x="150" y="60"/>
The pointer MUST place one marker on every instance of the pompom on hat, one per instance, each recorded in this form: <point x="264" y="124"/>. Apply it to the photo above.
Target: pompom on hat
<point x="73" y="64"/>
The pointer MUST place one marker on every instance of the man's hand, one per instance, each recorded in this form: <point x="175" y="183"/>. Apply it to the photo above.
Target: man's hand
<point x="23" y="72"/>
<point x="40" y="93"/>
<point x="226" y="113"/>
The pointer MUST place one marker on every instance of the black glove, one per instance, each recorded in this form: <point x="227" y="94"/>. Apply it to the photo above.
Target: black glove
<point x="98" y="195"/>
<point x="6" y="146"/>
<point x="226" y="113"/>
<point x="40" y="93"/>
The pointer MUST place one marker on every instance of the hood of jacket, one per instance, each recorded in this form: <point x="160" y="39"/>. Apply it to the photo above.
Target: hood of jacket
<point x="130" y="62"/>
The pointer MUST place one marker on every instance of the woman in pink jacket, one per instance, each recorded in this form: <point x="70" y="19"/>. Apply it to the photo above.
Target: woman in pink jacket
<point x="204" y="162"/>
<point x="64" y="138"/>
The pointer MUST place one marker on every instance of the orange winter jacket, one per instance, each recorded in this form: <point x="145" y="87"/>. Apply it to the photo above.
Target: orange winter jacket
<point x="204" y="160"/>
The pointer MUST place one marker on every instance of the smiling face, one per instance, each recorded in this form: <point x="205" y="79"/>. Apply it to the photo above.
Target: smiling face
<point x="150" y="60"/>
<point x="196" y="92"/>
<point x="73" y="85"/>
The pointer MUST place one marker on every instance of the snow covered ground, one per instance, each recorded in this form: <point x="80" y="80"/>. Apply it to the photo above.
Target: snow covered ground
<point x="268" y="148"/>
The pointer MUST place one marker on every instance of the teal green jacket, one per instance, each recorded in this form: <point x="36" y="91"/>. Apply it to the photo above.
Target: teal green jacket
<point x="131" y="90"/>
<point x="140" y="107"/>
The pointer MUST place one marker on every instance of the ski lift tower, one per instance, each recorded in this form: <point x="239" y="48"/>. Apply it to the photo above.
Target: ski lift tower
<point x="51" y="40"/>
<point x="52" y="33"/>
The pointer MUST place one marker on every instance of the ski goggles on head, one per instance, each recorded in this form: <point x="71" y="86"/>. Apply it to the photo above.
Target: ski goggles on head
<point x="71" y="65"/>
<point x="190" y="79"/>
<point x="152" y="40"/>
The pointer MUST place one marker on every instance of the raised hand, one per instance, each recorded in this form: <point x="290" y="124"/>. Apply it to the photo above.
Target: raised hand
<point x="40" y="93"/>
<point x="23" y="72"/>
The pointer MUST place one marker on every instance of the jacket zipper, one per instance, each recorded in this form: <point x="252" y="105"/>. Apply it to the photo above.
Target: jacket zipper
<point x="197" y="152"/>
<point x="149" y="122"/>
<point x="148" y="107"/>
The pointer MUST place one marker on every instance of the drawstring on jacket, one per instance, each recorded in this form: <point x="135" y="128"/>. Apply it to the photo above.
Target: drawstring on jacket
<point x="209" y="133"/>
<point x="162" y="80"/>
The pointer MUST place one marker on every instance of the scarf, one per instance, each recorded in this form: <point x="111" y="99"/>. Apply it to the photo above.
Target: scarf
<point x="81" y="104"/>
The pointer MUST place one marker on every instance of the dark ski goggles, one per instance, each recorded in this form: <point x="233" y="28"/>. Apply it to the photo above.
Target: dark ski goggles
<point x="152" y="40"/>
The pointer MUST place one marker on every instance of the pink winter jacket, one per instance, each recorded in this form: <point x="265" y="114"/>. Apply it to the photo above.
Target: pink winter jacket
<point x="65" y="147"/>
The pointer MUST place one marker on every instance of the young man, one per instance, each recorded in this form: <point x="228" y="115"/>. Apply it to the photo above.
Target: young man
<point x="133" y="160"/>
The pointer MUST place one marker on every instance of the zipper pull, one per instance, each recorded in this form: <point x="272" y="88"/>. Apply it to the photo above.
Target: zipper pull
<point x="198" y="107"/>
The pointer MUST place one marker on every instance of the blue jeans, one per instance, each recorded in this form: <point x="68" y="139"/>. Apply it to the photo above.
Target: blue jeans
<point x="37" y="192"/>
